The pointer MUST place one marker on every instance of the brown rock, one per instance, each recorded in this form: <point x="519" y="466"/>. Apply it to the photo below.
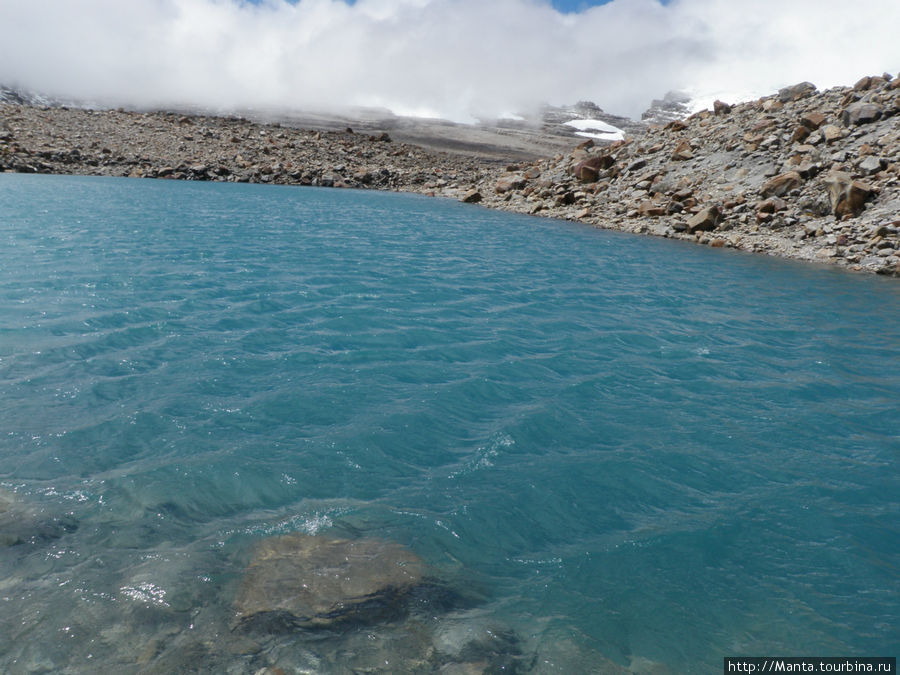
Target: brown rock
<point x="588" y="170"/>
<point x="471" y="197"/>
<point x="683" y="151"/>
<point x="848" y="196"/>
<point x="801" y="133"/>
<point x="832" y="133"/>
<point x="300" y="580"/>
<point x="509" y="184"/>
<point x="649" y="208"/>
<point x="586" y="174"/>
<point x="721" y="108"/>
<point x="763" y="125"/>
<point x="771" y="205"/>
<point x="705" y="220"/>
<point x="782" y="184"/>
<point x="813" y="120"/>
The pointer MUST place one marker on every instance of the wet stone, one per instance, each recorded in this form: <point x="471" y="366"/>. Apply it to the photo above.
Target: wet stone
<point x="22" y="523"/>
<point x="301" y="581"/>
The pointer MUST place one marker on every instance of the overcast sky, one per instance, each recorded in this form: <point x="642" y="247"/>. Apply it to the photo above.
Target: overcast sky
<point x="453" y="58"/>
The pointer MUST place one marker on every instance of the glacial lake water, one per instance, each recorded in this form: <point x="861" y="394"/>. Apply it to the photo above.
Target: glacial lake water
<point x="620" y="454"/>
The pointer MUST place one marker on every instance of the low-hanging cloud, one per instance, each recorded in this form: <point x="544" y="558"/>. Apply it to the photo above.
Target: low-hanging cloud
<point x="450" y="58"/>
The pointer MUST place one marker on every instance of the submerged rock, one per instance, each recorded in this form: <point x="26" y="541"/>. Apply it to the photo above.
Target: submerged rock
<point x="469" y="639"/>
<point x="302" y="581"/>
<point x="21" y="523"/>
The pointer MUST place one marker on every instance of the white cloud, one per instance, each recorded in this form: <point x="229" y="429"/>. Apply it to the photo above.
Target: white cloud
<point x="456" y="58"/>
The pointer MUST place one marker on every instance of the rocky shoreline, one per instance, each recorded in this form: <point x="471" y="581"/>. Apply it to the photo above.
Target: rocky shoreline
<point x="801" y="174"/>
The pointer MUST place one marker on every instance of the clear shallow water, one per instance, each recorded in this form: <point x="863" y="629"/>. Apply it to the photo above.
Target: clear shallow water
<point x="632" y="449"/>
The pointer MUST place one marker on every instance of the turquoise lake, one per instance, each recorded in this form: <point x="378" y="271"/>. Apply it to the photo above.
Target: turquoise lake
<point x="623" y="454"/>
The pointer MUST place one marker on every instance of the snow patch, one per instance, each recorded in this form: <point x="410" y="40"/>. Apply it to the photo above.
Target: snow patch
<point x="597" y="129"/>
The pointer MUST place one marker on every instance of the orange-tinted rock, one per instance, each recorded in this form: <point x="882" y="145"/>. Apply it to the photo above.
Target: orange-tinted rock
<point x="509" y="184"/>
<point x="781" y="185"/>
<point x="848" y="197"/>
<point x="588" y="170"/>
<point x="653" y="209"/>
<point x="801" y="133"/>
<point x="813" y="120"/>
<point x="705" y="220"/>
<point x="683" y="151"/>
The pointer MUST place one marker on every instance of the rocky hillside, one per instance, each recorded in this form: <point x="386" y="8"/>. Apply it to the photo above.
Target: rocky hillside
<point x="802" y="174"/>
<point x="195" y="147"/>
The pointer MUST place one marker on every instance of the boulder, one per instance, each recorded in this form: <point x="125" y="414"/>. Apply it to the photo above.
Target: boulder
<point x="588" y="170"/>
<point x="721" y="108"/>
<point x="682" y="151"/>
<point x="848" y="196"/>
<point x="782" y="184"/>
<point x="471" y="197"/>
<point x="832" y="133"/>
<point x="870" y="165"/>
<point x="650" y="208"/>
<point x="874" y="82"/>
<point x="509" y="184"/>
<point x="705" y="220"/>
<point x="796" y="92"/>
<point x="771" y="205"/>
<point x="303" y="581"/>
<point x="801" y="133"/>
<point x="861" y="113"/>
<point x="813" y="120"/>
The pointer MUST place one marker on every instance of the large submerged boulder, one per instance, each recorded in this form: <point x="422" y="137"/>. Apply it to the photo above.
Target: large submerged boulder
<point x="303" y="581"/>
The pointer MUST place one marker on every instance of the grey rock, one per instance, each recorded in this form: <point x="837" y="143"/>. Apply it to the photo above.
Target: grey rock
<point x="861" y="113"/>
<point x="871" y="165"/>
<point x="796" y="92"/>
